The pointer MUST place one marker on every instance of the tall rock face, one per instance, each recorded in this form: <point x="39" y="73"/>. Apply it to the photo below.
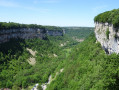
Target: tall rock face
<point x="27" y="33"/>
<point x="108" y="36"/>
<point x="107" y="30"/>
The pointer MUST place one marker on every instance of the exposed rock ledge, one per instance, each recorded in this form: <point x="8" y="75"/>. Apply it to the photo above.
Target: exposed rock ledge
<point x="27" y="33"/>
<point x="108" y="36"/>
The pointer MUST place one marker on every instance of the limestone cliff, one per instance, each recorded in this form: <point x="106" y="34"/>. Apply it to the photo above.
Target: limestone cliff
<point x="107" y="35"/>
<point x="55" y="32"/>
<point x="27" y="33"/>
<point x="107" y="30"/>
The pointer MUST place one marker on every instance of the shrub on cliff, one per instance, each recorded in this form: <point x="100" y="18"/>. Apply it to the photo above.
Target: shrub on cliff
<point x="111" y="17"/>
<point x="107" y="33"/>
<point x="12" y="25"/>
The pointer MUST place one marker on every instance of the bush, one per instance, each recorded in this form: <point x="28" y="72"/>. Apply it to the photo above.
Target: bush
<point x="39" y="87"/>
<point x="15" y="87"/>
<point x="9" y="84"/>
<point x="107" y="33"/>
<point x="111" y="17"/>
<point x="24" y="84"/>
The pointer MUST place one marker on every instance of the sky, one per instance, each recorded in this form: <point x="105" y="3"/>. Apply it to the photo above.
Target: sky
<point x="54" y="12"/>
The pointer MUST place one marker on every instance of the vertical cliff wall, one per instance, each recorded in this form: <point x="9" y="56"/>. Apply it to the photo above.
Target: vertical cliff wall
<point x="108" y="36"/>
<point x="107" y="30"/>
<point x="27" y="33"/>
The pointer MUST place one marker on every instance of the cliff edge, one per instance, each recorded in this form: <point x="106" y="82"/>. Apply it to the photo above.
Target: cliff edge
<point x="107" y="30"/>
<point x="25" y="31"/>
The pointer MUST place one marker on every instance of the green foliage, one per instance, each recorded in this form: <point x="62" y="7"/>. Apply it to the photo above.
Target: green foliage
<point x="111" y="17"/>
<point x="78" y="32"/>
<point x="88" y="68"/>
<point x="107" y="33"/>
<point x="12" y="25"/>
<point x="115" y="36"/>
<point x="15" y="87"/>
<point x="9" y="84"/>
<point x="52" y="28"/>
<point x="39" y="87"/>
<point x="16" y="72"/>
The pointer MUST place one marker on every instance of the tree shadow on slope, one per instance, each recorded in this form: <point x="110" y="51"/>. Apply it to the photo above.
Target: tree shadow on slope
<point x="11" y="49"/>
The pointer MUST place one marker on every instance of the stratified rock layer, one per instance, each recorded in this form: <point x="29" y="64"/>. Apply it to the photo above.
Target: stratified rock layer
<point x="27" y="33"/>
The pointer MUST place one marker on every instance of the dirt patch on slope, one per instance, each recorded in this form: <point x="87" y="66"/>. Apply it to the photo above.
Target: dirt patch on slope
<point x="31" y="51"/>
<point x="32" y="60"/>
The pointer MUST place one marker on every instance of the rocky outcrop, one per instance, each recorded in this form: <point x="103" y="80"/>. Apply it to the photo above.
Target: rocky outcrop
<point x="108" y="36"/>
<point x="24" y="33"/>
<point x="55" y="32"/>
<point x="27" y="33"/>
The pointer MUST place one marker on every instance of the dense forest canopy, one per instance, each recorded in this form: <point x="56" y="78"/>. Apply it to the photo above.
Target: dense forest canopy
<point x="78" y="32"/>
<point x="15" y="70"/>
<point x="12" y="25"/>
<point x="111" y="17"/>
<point x="88" y="68"/>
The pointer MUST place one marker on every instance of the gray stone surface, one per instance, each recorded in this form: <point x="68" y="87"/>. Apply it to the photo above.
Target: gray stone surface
<point x="55" y="32"/>
<point x="110" y="45"/>
<point x="27" y="33"/>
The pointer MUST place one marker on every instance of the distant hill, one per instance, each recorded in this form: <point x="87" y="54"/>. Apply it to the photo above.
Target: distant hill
<point x="78" y="32"/>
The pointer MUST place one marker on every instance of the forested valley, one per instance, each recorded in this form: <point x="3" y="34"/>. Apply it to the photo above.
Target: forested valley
<point x="74" y="61"/>
<point x="20" y="69"/>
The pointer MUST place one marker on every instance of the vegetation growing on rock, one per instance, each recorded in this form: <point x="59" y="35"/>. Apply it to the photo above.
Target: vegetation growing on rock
<point x="112" y="17"/>
<point x="107" y="33"/>
<point x="12" y="25"/>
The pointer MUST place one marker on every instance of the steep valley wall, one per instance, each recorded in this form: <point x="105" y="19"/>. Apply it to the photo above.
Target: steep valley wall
<point x="108" y="36"/>
<point x="27" y="33"/>
<point x="55" y="32"/>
